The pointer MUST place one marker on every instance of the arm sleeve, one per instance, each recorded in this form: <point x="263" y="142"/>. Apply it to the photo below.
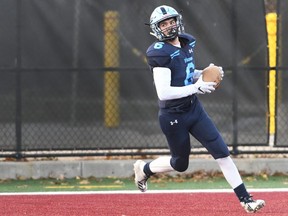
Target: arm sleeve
<point x="162" y="80"/>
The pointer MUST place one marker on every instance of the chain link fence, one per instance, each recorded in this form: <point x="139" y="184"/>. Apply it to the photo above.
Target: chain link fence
<point x="74" y="79"/>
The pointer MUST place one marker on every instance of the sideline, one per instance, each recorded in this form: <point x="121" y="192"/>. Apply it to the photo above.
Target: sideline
<point x="270" y="190"/>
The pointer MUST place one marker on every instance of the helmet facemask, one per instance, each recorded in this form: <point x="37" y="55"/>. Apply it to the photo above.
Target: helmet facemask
<point x="157" y="17"/>
<point x="170" y="32"/>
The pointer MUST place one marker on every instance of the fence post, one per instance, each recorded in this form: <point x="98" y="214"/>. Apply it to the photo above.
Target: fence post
<point x="235" y="150"/>
<point x="18" y="93"/>
<point x="111" y="60"/>
<point x="271" y="22"/>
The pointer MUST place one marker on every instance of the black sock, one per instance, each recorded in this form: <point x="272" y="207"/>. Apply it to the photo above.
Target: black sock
<point x="147" y="170"/>
<point x="241" y="192"/>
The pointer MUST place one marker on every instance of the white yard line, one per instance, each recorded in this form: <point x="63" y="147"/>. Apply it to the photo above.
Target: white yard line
<point x="138" y="192"/>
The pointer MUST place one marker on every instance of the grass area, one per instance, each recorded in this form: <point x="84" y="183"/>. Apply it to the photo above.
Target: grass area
<point x="198" y="181"/>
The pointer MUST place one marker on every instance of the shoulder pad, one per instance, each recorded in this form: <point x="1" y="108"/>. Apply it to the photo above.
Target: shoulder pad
<point x="158" y="54"/>
<point x="190" y="38"/>
<point x="157" y="49"/>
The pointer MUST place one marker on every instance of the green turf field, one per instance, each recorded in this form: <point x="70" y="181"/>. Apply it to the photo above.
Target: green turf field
<point x="155" y="183"/>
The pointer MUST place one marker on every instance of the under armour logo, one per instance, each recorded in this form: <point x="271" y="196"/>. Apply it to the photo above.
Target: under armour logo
<point x="175" y="122"/>
<point x="190" y="50"/>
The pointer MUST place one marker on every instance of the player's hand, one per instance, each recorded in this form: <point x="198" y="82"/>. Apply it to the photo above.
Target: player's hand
<point x="202" y="87"/>
<point x="221" y="72"/>
<point x="197" y="74"/>
<point x="220" y="69"/>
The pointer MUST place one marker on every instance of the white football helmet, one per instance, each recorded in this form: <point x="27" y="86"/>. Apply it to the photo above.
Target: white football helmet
<point x="162" y="13"/>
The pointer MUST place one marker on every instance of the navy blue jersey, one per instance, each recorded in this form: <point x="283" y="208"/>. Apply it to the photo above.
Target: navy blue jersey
<point x="181" y="63"/>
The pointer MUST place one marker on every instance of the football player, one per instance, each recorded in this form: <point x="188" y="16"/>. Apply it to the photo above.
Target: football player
<point x="177" y="82"/>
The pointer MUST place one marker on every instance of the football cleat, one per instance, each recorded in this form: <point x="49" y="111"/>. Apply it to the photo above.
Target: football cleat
<point x="250" y="205"/>
<point x="140" y="177"/>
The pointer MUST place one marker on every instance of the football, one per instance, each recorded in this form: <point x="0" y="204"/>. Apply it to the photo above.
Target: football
<point x="212" y="74"/>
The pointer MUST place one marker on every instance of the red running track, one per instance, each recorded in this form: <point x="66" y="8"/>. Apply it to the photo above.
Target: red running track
<point x="144" y="204"/>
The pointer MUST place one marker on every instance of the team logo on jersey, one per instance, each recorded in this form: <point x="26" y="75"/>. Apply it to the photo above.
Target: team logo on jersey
<point x="190" y="59"/>
<point x="174" y="122"/>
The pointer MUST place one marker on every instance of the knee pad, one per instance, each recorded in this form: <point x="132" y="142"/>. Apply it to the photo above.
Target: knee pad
<point x="180" y="164"/>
